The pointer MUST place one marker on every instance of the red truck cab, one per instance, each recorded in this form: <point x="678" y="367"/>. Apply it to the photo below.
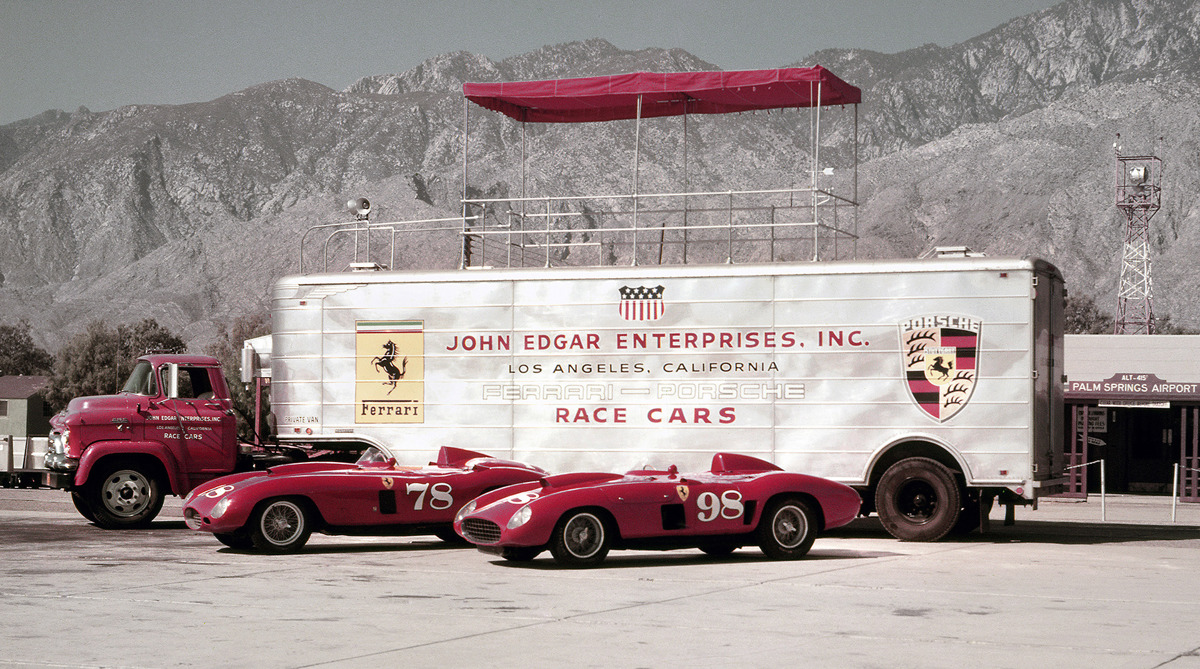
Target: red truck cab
<point x="169" y="429"/>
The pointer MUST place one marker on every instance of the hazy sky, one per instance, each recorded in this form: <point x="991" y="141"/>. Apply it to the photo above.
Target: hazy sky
<point x="103" y="54"/>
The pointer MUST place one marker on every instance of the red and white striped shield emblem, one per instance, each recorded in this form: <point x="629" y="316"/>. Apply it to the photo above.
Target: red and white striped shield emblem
<point x="644" y="303"/>
<point x="941" y="354"/>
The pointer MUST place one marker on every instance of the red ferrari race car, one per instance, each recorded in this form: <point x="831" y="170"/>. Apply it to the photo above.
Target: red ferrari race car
<point x="277" y="509"/>
<point x="580" y="516"/>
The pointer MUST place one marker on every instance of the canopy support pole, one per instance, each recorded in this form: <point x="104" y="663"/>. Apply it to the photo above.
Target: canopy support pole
<point x="637" y="149"/>
<point x="464" y="254"/>
<point x="524" y="194"/>
<point x="686" y="185"/>
<point x="815" y="154"/>
<point x="855" y="252"/>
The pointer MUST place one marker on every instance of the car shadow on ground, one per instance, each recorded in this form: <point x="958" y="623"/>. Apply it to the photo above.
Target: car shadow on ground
<point x="685" y="557"/>
<point x="1040" y="531"/>
<point x="331" y="548"/>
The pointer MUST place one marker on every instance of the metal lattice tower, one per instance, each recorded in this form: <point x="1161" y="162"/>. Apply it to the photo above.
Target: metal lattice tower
<point x="1139" y="196"/>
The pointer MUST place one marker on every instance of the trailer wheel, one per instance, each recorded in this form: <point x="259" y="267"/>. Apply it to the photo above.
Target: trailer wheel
<point x="280" y="526"/>
<point x="82" y="506"/>
<point x="787" y="529"/>
<point x="123" y="495"/>
<point x="918" y="499"/>
<point x="580" y="540"/>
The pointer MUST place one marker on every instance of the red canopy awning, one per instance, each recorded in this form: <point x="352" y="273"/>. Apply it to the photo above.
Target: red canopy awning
<point x="614" y="97"/>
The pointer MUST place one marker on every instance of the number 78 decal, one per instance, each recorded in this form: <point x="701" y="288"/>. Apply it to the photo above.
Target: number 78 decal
<point x="439" y="495"/>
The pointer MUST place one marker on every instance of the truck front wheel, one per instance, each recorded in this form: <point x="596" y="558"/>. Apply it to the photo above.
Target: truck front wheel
<point x="123" y="495"/>
<point x="918" y="499"/>
<point x="81" y="505"/>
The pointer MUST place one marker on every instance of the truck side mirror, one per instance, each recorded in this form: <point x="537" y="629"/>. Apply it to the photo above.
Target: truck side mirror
<point x="172" y="370"/>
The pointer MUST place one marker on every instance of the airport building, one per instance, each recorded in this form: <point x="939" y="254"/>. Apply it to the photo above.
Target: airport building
<point x="1133" y="407"/>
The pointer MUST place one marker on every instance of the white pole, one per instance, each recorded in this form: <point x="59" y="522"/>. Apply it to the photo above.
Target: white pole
<point x="1103" y="491"/>
<point x="1174" y="490"/>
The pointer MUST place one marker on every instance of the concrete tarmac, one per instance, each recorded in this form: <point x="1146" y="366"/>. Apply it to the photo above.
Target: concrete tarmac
<point x="1058" y="588"/>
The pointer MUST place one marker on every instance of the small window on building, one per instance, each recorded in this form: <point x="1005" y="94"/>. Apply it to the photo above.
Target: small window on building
<point x="3" y="407"/>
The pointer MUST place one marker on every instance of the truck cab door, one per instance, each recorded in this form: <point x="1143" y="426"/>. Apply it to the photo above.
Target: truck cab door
<point x="204" y="429"/>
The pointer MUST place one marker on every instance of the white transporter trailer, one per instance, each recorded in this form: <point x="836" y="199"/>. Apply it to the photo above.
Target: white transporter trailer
<point x="933" y="386"/>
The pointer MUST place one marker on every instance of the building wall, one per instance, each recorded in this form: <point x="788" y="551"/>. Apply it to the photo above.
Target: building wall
<point x="25" y="418"/>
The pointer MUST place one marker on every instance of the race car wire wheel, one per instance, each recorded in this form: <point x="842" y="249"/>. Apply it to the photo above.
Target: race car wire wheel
<point x="787" y="529"/>
<point x="789" y="526"/>
<point x="580" y="540"/>
<point x="480" y="531"/>
<point x="280" y="526"/>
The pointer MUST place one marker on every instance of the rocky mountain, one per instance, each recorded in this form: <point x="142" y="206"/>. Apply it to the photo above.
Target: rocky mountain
<point x="1003" y="143"/>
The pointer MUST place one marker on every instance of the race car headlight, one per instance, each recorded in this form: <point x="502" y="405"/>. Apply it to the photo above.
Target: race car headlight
<point x="521" y="517"/>
<point x="468" y="508"/>
<point x="219" y="508"/>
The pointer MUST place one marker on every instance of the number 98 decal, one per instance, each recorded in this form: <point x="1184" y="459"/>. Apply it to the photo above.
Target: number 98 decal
<point x="727" y="506"/>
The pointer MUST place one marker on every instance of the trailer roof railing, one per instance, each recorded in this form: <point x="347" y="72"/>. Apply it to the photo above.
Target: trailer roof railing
<point x="796" y="223"/>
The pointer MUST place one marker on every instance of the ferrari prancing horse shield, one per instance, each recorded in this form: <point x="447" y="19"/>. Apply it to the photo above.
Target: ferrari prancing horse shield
<point x="940" y="362"/>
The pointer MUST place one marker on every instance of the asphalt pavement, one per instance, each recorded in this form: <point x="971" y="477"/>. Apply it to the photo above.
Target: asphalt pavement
<point x="1070" y="584"/>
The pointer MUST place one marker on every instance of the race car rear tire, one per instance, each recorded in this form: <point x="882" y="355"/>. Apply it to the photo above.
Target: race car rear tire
<point x="787" y="529"/>
<point x="123" y="494"/>
<point x="718" y="549"/>
<point x="280" y="525"/>
<point x="581" y="539"/>
<point x="451" y="537"/>
<point x="918" y="499"/>
<point x="235" y="540"/>
<point x="520" y="553"/>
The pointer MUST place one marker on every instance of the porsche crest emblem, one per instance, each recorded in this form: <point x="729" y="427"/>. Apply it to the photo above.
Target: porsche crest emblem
<point x="682" y="491"/>
<point x="388" y="482"/>
<point x="940" y="355"/>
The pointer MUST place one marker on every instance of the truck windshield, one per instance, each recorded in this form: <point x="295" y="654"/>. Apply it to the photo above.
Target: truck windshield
<point x="141" y="381"/>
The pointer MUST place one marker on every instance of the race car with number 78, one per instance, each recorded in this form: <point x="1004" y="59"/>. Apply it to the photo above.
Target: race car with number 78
<point x="276" y="510"/>
<point x="579" y="517"/>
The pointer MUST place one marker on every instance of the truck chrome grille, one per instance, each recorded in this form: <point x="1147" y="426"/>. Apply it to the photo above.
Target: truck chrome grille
<point x="480" y="531"/>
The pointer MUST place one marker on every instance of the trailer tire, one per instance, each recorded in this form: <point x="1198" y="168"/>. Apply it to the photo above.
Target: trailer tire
<point x="918" y="499"/>
<point x="123" y="495"/>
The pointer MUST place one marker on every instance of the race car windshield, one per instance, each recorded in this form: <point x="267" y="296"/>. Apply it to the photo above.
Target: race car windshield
<point x="141" y="380"/>
<point x="372" y="456"/>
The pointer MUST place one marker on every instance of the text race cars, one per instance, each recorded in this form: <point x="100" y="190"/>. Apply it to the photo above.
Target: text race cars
<point x="276" y="510"/>
<point x="580" y="516"/>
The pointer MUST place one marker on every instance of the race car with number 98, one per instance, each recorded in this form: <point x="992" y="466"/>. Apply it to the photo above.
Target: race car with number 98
<point x="579" y="517"/>
<point x="276" y="510"/>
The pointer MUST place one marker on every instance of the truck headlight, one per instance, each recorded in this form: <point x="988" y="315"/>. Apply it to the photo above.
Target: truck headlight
<point x="521" y="517"/>
<point x="58" y="442"/>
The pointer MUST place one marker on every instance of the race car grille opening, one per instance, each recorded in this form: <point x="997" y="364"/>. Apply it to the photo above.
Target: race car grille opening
<point x="480" y="531"/>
